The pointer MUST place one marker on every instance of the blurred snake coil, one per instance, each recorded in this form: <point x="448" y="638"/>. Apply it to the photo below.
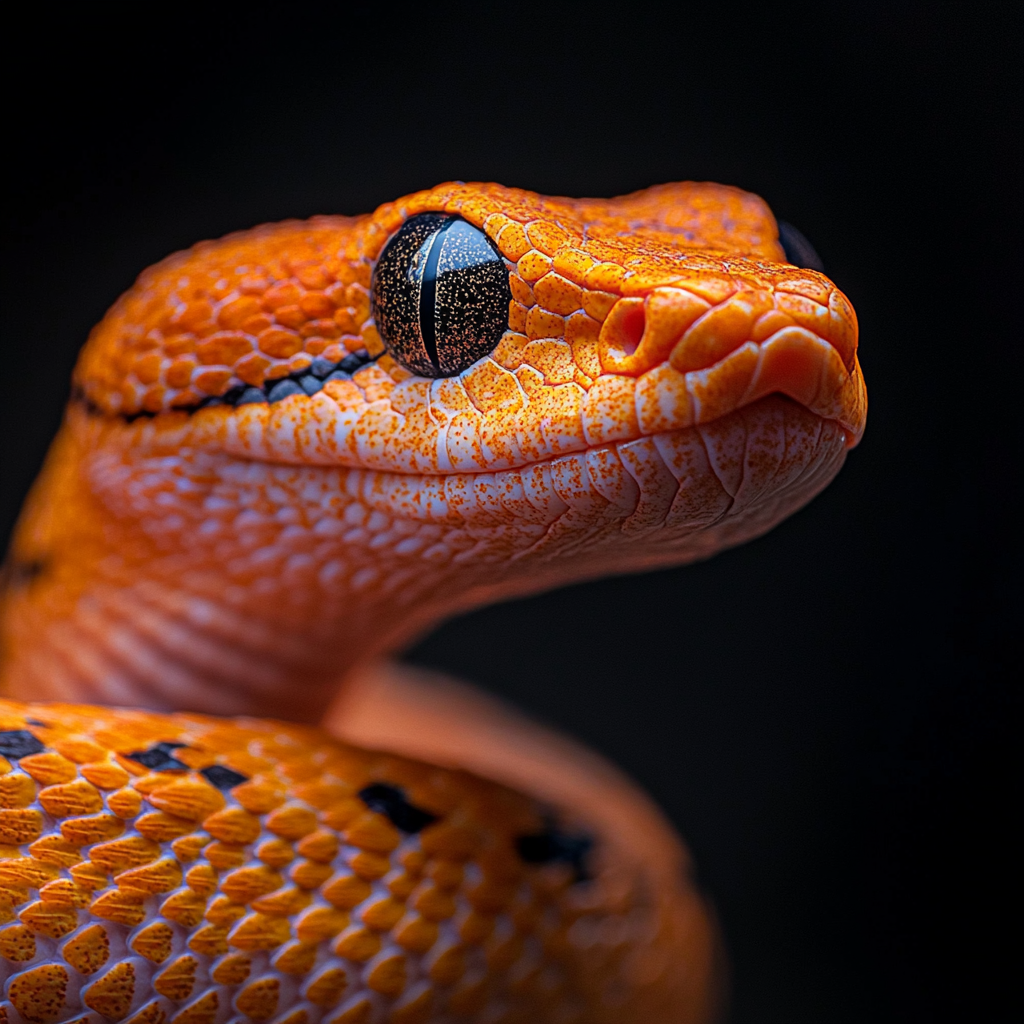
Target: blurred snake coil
<point x="287" y="454"/>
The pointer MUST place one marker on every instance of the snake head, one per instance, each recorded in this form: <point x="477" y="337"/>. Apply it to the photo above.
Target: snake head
<point x="658" y="340"/>
<point x="475" y="391"/>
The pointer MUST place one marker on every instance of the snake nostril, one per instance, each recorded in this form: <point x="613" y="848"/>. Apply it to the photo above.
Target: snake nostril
<point x="631" y="329"/>
<point x="622" y="332"/>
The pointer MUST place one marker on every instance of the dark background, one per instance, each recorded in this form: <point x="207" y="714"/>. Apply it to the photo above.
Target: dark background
<point x="827" y="713"/>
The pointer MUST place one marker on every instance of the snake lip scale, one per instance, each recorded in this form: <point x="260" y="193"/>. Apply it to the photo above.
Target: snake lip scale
<point x="287" y="453"/>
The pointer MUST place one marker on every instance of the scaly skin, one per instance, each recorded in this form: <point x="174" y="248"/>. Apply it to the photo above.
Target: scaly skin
<point x="668" y="386"/>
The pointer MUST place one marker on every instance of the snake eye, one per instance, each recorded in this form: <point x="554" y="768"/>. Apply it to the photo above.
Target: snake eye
<point x="798" y="250"/>
<point x="440" y="295"/>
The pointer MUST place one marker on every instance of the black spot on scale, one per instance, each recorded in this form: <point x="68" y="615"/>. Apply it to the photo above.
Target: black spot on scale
<point x="15" y="743"/>
<point x="321" y="367"/>
<point x="222" y="777"/>
<point x="391" y="802"/>
<point x="553" y="846"/>
<point x="251" y="395"/>
<point x="307" y="381"/>
<point x="283" y="389"/>
<point x="160" y="758"/>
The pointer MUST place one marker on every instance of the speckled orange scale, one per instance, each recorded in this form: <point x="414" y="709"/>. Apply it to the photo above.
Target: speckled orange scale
<point x="667" y="386"/>
<point x="286" y="892"/>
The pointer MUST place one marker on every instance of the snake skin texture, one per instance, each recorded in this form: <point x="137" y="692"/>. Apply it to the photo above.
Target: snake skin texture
<point x="250" y="499"/>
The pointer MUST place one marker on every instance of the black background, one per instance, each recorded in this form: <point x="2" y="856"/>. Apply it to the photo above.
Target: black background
<point x="827" y="712"/>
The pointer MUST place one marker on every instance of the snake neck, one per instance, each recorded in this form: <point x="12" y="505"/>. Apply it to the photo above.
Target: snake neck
<point x="199" y="583"/>
<point x="175" y="578"/>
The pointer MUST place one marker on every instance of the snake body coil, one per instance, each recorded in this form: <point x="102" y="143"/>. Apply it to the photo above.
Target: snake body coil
<point x="290" y="451"/>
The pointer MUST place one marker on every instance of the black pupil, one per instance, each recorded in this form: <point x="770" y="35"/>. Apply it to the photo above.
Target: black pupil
<point x="440" y="295"/>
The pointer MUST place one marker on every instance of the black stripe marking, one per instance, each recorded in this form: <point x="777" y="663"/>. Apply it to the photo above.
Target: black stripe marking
<point x="555" y="846"/>
<point x="223" y="777"/>
<point x="391" y="802"/>
<point x="160" y="757"/>
<point x="15" y="743"/>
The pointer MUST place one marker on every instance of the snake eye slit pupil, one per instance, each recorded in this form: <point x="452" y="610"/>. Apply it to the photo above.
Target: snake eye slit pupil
<point x="440" y="295"/>
<point x="428" y="295"/>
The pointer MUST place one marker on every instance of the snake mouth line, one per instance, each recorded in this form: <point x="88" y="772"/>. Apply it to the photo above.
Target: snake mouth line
<point x="309" y="381"/>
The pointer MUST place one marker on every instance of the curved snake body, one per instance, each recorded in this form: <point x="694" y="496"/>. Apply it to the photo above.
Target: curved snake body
<point x="251" y="499"/>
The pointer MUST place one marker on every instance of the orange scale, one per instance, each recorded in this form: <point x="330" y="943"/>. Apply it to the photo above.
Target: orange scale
<point x="177" y="980"/>
<point x="233" y="825"/>
<point x="296" y="957"/>
<point x="234" y="313"/>
<point x="39" y="994"/>
<point x="223" y="911"/>
<point x="260" y="795"/>
<point x="105" y="775"/>
<point x="285" y="293"/>
<point x="210" y="940"/>
<point x="357" y="944"/>
<point x="80" y="749"/>
<point x="388" y="975"/>
<point x="201" y="879"/>
<point x="184" y="907"/>
<point x="49" y="768"/>
<point x="252" y="369"/>
<point x="246" y="884"/>
<point x="154" y="942"/>
<point x="153" y="399"/>
<point x="161" y="876"/>
<point x="259" y="999"/>
<point x="189" y="798"/>
<point x="286" y="902"/>
<point x="310" y="874"/>
<point x="321" y="846"/>
<point x="88" y="876"/>
<point x="291" y="822"/>
<point x="20" y="825"/>
<point x="89" y="950"/>
<point x="53" y="920"/>
<point x="232" y="969"/>
<point x="122" y="906"/>
<point x="66" y="892"/>
<point x="113" y="993"/>
<point x="260" y="931"/>
<point x="290" y="316"/>
<point x="317" y="305"/>
<point x="189" y="847"/>
<point x="162" y="828"/>
<point x="17" y="944"/>
<point x="225" y="855"/>
<point x="16" y="790"/>
<point x="416" y="934"/>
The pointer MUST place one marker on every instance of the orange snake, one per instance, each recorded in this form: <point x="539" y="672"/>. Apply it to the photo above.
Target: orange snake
<point x="288" y="453"/>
